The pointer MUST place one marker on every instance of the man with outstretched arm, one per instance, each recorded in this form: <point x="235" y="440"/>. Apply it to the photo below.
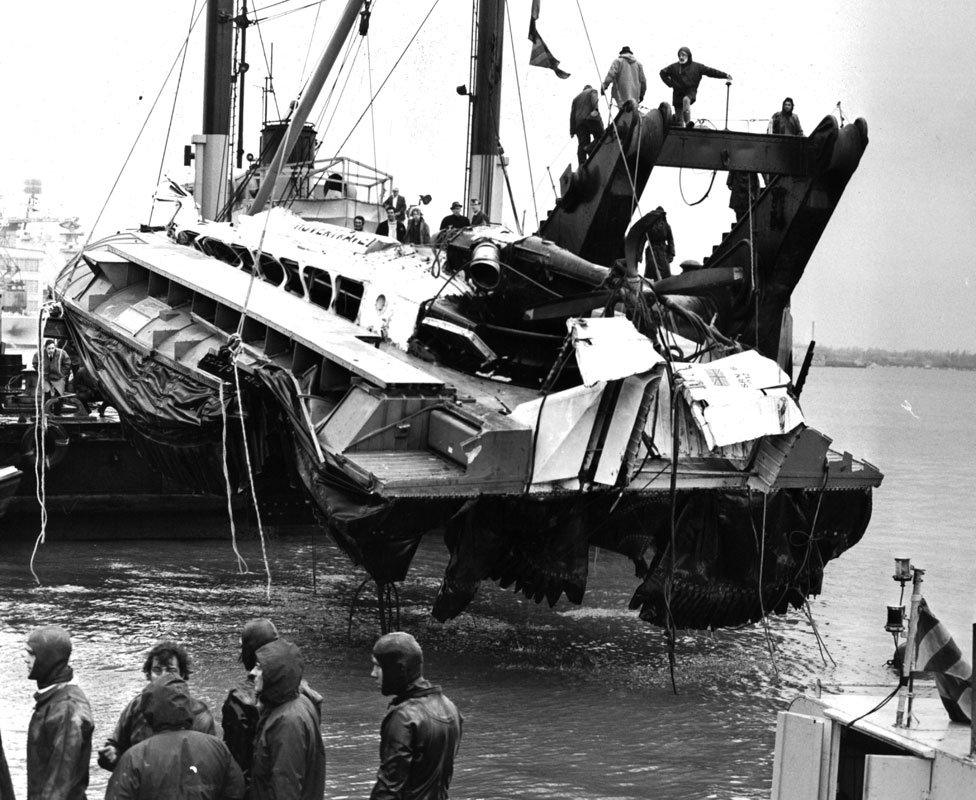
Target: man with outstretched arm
<point x="421" y="732"/>
<point x="684" y="76"/>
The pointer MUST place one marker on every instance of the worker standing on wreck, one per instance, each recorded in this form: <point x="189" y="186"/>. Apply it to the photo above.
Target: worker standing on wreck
<point x="240" y="712"/>
<point x="584" y="120"/>
<point x="626" y="75"/>
<point x="289" y="757"/>
<point x="165" y="658"/>
<point x="683" y="77"/>
<point x="59" y="736"/>
<point x="55" y="369"/>
<point x="785" y="121"/>
<point x="660" y="248"/>
<point x="421" y="732"/>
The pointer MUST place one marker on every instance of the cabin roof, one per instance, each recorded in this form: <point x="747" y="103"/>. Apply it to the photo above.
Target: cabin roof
<point x="295" y="317"/>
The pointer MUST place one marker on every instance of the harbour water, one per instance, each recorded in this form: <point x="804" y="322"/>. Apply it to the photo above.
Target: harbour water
<point x="568" y="702"/>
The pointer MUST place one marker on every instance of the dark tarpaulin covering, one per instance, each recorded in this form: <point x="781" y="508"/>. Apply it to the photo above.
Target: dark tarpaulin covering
<point x="173" y="421"/>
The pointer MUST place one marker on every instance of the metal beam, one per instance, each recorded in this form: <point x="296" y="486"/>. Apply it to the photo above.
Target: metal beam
<point x="701" y="148"/>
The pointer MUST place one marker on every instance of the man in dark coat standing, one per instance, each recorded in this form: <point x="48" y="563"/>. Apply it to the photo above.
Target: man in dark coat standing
<point x="240" y="714"/>
<point x="176" y="763"/>
<point x="660" y="250"/>
<point x="584" y="120"/>
<point x="6" y="785"/>
<point x="398" y="203"/>
<point x="392" y="227"/>
<point x="289" y="756"/>
<point x="421" y="732"/>
<point x="165" y="658"/>
<point x="59" y="736"/>
<point x="455" y="219"/>
<point x="684" y="76"/>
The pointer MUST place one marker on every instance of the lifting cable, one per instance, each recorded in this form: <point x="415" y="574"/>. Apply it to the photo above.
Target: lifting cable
<point x="710" y="183"/>
<point x="172" y="113"/>
<point x="373" y="97"/>
<point x="616" y="135"/>
<point x="241" y="563"/>
<point x="762" y="608"/>
<point x="525" y="134"/>
<point x="142" y="129"/>
<point x="311" y="37"/>
<point x="372" y="106"/>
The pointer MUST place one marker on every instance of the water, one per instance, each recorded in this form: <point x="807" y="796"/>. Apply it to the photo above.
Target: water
<point x="569" y="702"/>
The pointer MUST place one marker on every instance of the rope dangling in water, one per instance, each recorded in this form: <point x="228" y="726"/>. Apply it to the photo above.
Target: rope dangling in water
<point x="234" y="344"/>
<point x="40" y="437"/>
<point x="241" y="563"/>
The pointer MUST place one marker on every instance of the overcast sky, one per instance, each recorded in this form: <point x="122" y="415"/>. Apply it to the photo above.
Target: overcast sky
<point x="895" y="267"/>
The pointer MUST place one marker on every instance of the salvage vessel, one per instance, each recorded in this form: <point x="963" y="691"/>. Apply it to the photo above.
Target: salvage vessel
<point x="526" y="396"/>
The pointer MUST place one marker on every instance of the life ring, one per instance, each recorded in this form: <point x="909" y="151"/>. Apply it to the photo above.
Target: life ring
<point x="55" y="446"/>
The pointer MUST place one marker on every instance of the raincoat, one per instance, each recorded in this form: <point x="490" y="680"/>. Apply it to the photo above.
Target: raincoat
<point x="133" y="727"/>
<point x="421" y="732"/>
<point x="289" y="758"/>
<point x="6" y="787"/>
<point x="60" y="732"/>
<point x="176" y="763"/>
<point x="627" y="76"/>
<point x="685" y="78"/>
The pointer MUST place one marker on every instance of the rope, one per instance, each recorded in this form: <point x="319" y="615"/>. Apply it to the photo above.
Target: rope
<point x="752" y="265"/>
<point x="145" y="122"/>
<point x="616" y="136"/>
<point x="525" y="134"/>
<point x="372" y="107"/>
<point x="235" y="349"/>
<point x="373" y="97"/>
<point x="821" y="644"/>
<point x="765" y="622"/>
<point x="172" y="113"/>
<point x="241" y="563"/>
<point x="40" y="439"/>
<point x="311" y="38"/>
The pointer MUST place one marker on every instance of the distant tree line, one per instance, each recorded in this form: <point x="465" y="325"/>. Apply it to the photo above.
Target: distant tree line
<point x="864" y="356"/>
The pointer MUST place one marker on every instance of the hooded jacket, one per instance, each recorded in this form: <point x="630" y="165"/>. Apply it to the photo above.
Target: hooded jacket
<point x="785" y="122"/>
<point x="176" y="763"/>
<point x="288" y="762"/>
<point x="257" y="633"/>
<point x="421" y="732"/>
<point x="6" y="786"/>
<point x="685" y="78"/>
<point x="627" y="76"/>
<point x="60" y="732"/>
<point x="133" y="727"/>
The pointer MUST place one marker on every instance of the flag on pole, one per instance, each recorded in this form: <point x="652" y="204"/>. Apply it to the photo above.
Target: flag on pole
<point x="541" y="56"/>
<point x="936" y="652"/>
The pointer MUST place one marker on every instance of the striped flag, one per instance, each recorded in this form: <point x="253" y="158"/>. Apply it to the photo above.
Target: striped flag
<point x="936" y="652"/>
<point x="541" y="56"/>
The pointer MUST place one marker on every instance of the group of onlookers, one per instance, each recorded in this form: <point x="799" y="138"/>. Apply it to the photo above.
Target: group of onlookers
<point x="165" y="744"/>
<point x="409" y="226"/>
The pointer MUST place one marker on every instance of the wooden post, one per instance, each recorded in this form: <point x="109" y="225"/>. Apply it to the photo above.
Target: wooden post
<point x="903" y="717"/>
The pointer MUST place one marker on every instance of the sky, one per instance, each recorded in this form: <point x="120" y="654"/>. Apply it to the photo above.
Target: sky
<point x="895" y="267"/>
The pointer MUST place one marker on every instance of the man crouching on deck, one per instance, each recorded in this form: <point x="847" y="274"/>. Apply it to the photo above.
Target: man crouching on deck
<point x="421" y="732"/>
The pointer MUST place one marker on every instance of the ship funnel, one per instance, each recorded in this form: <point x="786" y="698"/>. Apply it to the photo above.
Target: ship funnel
<point x="485" y="269"/>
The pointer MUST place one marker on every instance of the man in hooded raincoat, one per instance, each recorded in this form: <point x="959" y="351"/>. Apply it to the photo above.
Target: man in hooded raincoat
<point x="585" y="122"/>
<point x="6" y="786"/>
<point x="288" y="762"/>
<point x="60" y="732"/>
<point x="660" y="250"/>
<point x="239" y="715"/>
<point x="421" y="732"/>
<point x="626" y="74"/>
<point x="684" y="76"/>
<point x="175" y="763"/>
<point x="165" y="658"/>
